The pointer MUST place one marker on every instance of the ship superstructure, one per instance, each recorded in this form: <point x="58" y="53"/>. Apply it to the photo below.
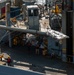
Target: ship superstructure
<point x="24" y="18"/>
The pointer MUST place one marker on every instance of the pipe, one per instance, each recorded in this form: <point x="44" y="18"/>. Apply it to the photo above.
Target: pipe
<point x="22" y="30"/>
<point x="9" y="37"/>
<point x="51" y="33"/>
<point x="7" y="12"/>
<point x="24" y="11"/>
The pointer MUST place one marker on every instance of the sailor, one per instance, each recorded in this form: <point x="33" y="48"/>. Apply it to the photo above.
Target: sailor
<point x="9" y="61"/>
<point x="37" y="49"/>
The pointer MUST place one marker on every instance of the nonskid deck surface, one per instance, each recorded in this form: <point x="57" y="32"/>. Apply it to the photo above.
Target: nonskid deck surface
<point x="37" y="63"/>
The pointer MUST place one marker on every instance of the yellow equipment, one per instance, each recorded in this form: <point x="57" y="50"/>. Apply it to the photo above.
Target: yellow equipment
<point x="15" y="41"/>
<point x="44" y="52"/>
<point x="13" y="19"/>
<point x="1" y="56"/>
<point x="56" y="10"/>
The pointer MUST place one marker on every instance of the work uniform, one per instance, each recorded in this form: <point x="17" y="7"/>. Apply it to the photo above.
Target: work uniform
<point x="9" y="61"/>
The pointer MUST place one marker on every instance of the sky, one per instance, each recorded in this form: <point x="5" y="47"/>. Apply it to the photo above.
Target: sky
<point x="41" y="1"/>
<point x="2" y="0"/>
<point x="38" y="1"/>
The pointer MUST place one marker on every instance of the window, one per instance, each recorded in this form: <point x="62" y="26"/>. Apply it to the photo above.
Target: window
<point x="30" y="12"/>
<point x="35" y="12"/>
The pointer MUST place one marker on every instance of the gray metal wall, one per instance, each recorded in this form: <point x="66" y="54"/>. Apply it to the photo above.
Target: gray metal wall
<point x="33" y="23"/>
<point x="54" y="46"/>
<point x="64" y="31"/>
